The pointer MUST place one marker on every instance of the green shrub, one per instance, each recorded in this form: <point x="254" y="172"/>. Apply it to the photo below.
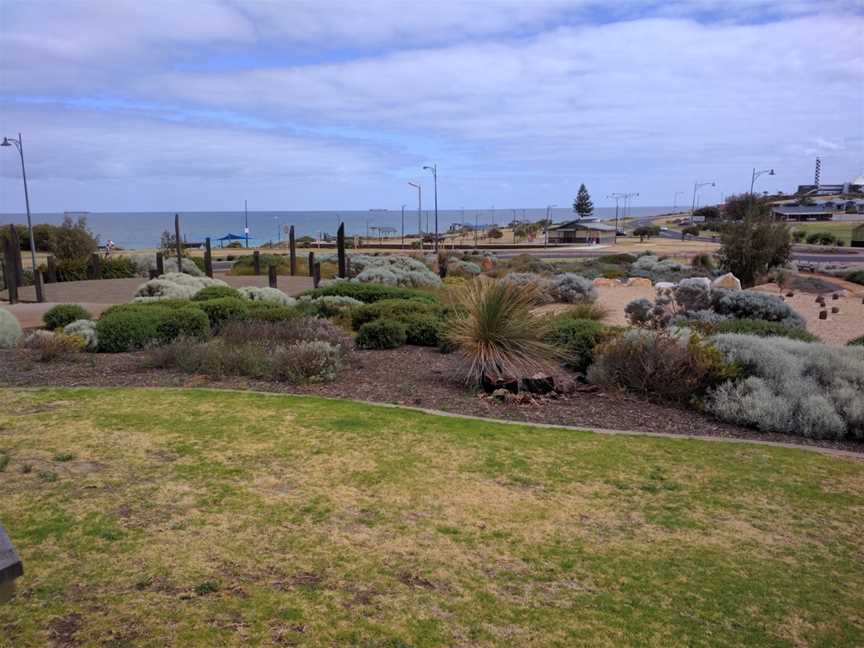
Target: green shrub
<point x="274" y="313"/>
<point x="130" y="329"/>
<point x="856" y="276"/>
<point x="216" y="292"/>
<point x="109" y="268"/>
<point x="369" y="293"/>
<point x="382" y="334"/>
<point x="245" y="265"/>
<point x="422" y="330"/>
<point x="184" y="322"/>
<point x="224" y="309"/>
<point x="577" y="338"/>
<point x="761" y="328"/>
<point x="389" y="308"/>
<point x="64" y="314"/>
<point x="859" y="341"/>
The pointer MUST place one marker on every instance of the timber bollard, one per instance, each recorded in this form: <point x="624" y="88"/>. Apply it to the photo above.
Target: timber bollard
<point x="271" y="275"/>
<point x="316" y="274"/>
<point x="292" y="249"/>
<point x="160" y="264"/>
<point x="51" y="266"/>
<point x="208" y="258"/>
<point x="256" y="262"/>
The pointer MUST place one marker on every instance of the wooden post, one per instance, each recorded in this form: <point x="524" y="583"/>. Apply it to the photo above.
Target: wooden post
<point x="347" y="266"/>
<point x="95" y="266"/>
<point x="311" y="264"/>
<point x="179" y="243"/>
<point x="271" y="275"/>
<point x="208" y="258"/>
<point x="292" y="247"/>
<point x="316" y="274"/>
<point x="160" y="264"/>
<point x="256" y="262"/>
<point x="154" y="273"/>
<point x="340" y="250"/>
<point x="51" y="276"/>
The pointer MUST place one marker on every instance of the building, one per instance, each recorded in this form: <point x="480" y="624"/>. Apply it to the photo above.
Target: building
<point x="854" y="186"/>
<point x="825" y="210"/>
<point x="858" y="236"/>
<point x="582" y="231"/>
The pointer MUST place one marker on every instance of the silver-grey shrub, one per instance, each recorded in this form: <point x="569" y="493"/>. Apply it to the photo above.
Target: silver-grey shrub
<point x="10" y="329"/>
<point x="745" y="304"/>
<point x="802" y="388"/>
<point x="312" y="361"/>
<point x="86" y="330"/>
<point x="572" y="288"/>
<point x="542" y="284"/>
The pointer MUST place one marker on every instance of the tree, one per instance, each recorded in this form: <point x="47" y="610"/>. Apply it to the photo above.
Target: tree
<point x="752" y="246"/>
<point x="494" y="233"/>
<point x="646" y="231"/>
<point x="736" y="208"/>
<point x="692" y="230"/>
<point x="709" y="212"/>
<point x="583" y="205"/>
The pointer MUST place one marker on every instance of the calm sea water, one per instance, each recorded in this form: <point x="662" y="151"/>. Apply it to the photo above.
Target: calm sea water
<point x="135" y="230"/>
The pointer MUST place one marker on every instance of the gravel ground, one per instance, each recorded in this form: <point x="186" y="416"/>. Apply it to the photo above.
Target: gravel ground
<point x="408" y="376"/>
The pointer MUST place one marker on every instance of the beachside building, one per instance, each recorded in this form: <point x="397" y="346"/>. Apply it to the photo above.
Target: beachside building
<point x="858" y="236"/>
<point x="826" y="210"/>
<point x="582" y="231"/>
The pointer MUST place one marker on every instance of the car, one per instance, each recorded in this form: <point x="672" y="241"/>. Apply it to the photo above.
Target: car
<point x="664" y="229"/>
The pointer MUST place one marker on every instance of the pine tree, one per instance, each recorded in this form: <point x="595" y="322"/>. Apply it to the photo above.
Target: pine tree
<point x="583" y="205"/>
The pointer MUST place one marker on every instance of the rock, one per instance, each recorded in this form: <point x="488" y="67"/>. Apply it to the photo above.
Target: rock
<point x="490" y="386"/>
<point x="539" y="383"/>
<point x="835" y="296"/>
<point x="604" y="282"/>
<point x="500" y="395"/>
<point x="835" y="309"/>
<point x="664" y="285"/>
<point x="842" y="293"/>
<point x="638" y="282"/>
<point x="728" y="281"/>
<point x="823" y="314"/>
<point x="790" y="294"/>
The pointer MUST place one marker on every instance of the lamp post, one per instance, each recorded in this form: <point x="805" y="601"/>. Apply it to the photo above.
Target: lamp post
<point x="434" y="170"/>
<point x="546" y="224"/>
<point x="753" y="177"/>
<point x="245" y="222"/>
<point x="9" y="141"/>
<point x="617" y="197"/>
<point x="402" y="245"/>
<point x="696" y="187"/>
<point x="419" y="211"/>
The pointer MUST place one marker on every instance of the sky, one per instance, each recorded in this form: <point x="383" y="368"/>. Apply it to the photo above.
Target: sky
<point x="197" y="105"/>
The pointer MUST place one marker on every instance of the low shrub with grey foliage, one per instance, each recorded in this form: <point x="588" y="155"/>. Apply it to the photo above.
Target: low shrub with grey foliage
<point x="572" y="288"/>
<point x="10" y="330"/>
<point x="86" y="330"/>
<point x="802" y="388"/>
<point x="746" y="304"/>
<point x="543" y="285"/>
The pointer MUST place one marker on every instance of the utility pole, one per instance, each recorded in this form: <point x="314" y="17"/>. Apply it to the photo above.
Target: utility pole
<point x="246" y="221"/>
<point x="402" y="245"/>
<point x="434" y="170"/>
<point x="419" y="211"/>
<point x="696" y="186"/>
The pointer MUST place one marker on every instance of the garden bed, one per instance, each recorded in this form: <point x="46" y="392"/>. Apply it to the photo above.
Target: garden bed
<point x="412" y="376"/>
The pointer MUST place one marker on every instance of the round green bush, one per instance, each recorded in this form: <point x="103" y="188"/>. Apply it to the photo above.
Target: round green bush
<point x="371" y="292"/>
<point x="382" y="334"/>
<point x="184" y="322"/>
<point x="216" y="292"/>
<point x="859" y="341"/>
<point x="128" y="330"/>
<point x="577" y="338"/>
<point x="762" y="328"/>
<point x="422" y="330"/>
<point x="389" y="308"/>
<point x="224" y="309"/>
<point x="64" y="314"/>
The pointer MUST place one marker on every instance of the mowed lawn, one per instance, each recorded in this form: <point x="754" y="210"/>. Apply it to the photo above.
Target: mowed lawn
<point x="203" y="518"/>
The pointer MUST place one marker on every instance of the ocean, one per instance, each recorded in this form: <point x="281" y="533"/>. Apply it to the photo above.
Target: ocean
<point x="137" y="230"/>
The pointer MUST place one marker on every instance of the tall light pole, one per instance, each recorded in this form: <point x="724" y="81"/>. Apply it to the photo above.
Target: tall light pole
<point x="419" y="211"/>
<point x="617" y="197"/>
<point x="402" y="245"/>
<point x="675" y="200"/>
<point x="245" y="220"/>
<point x="756" y="174"/>
<point x="696" y="187"/>
<point x="9" y="141"/>
<point x="434" y="170"/>
<point x="627" y="197"/>
<point x="546" y="224"/>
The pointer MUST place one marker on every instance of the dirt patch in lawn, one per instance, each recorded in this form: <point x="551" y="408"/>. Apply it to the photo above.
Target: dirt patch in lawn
<point x="411" y="376"/>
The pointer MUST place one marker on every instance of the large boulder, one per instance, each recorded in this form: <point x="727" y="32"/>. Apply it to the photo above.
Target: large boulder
<point x="727" y="281"/>
<point x="638" y="282"/>
<point x="604" y="282"/>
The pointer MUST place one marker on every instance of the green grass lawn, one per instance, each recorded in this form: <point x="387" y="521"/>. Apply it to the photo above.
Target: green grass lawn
<point x="201" y="518"/>
<point x="842" y="230"/>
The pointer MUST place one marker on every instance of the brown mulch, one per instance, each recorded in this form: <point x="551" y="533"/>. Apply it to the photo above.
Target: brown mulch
<point x="411" y="376"/>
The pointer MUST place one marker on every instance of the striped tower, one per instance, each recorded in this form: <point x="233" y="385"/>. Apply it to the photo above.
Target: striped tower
<point x="818" y="171"/>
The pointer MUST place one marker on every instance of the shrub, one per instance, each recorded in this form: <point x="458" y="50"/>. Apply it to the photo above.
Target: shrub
<point x="494" y="329"/>
<point x="369" y="293"/>
<point x="669" y="366"/>
<point x="245" y="265"/>
<point x="157" y="289"/>
<point x="691" y="295"/>
<point x="86" y="330"/>
<point x="573" y="288"/>
<point x="808" y="389"/>
<point x="528" y="263"/>
<point x="422" y="330"/>
<point x="109" y="268"/>
<point x="216" y="292"/>
<point x="393" y="270"/>
<point x="144" y="264"/>
<point x="266" y="294"/>
<point x="225" y="309"/>
<point x="53" y="345"/>
<point x="856" y="276"/>
<point x="539" y="286"/>
<point x="191" y="323"/>
<point x="743" y="304"/>
<point x="128" y="330"/>
<point x="273" y="313"/>
<point x="391" y="309"/>
<point x="463" y="269"/>
<point x="328" y="306"/>
<point x="752" y="246"/>
<point x="63" y="314"/>
<point x="271" y="335"/>
<point x="10" y="329"/>
<point x="311" y="361"/>
<point x="859" y="341"/>
<point x="577" y="338"/>
<point x="750" y="327"/>
<point x="587" y="311"/>
<point x="703" y="261"/>
<point x="382" y="334"/>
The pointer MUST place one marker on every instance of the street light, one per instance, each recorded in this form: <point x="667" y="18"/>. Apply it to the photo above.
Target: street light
<point x="419" y="211"/>
<point x="434" y="170"/>
<point x="756" y="174"/>
<point x="696" y="187"/>
<point x="9" y="141"/>
<point x="546" y="224"/>
<point x="402" y="246"/>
